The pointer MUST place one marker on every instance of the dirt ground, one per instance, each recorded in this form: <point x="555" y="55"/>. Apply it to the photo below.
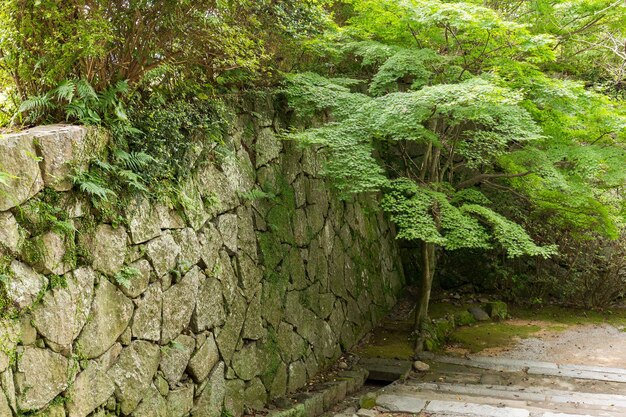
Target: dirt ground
<point x="597" y="344"/>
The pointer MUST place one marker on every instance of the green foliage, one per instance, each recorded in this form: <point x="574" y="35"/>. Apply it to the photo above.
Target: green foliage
<point x="79" y="103"/>
<point x="126" y="275"/>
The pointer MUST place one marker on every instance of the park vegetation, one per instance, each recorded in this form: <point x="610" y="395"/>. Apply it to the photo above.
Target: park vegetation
<point x="494" y="132"/>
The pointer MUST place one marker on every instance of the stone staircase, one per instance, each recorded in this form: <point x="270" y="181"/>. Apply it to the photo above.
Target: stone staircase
<point x="475" y="386"/>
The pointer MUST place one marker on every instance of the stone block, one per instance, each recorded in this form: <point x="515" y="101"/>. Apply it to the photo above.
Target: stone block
<point x="41" y="376"/>
<point x="63" y="148"/>
<point x="19" y="160"/>
<point x="203" y="360"/>
<point x="107" y="248"/>
<point x="64" y="310"/>
<point x="211" y="398"/>
<point x="133" y="373"/>
<point x="147" y="319"/>
<point x="179" y="302"/>
<point x="209" y="311"/>
<point x="175" y="358"/>
<point x="163" y="253"/>
<point x="25" y="285"/>
<point x="92" y="388"/>
<point x="143" y="220"/>
<point x="139" y="281"/>
<point x="110" y="315"/>
<point x="9" y="233"/>
<point x="180" y="401"/>
<point x="255" y="395"/>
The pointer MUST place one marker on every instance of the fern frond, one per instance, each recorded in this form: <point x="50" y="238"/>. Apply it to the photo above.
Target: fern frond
<point x="36" y="103"/>
<point x="132" y="179"/>
<point x="65" y="91"/>
<point x="86" y="91"/>
<point x="134" y="161"/>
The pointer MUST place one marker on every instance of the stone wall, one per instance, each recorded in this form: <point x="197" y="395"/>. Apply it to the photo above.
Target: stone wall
<point x="256" y="284"/>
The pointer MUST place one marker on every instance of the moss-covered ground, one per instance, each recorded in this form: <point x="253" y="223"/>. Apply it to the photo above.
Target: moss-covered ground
<point x="394" y="338"/>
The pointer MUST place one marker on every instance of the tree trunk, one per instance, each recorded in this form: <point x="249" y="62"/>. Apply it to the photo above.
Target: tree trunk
<point x="426" y="280"/>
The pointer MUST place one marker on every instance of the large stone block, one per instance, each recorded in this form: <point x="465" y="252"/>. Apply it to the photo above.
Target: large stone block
<point x="175" y="357"/>
<point x="180" y="401"/>
<point x="5" y="407"/>
<point x="210" y="244"/>
<point x="152" y="405"/>
<point x="246" y="362"/>
<point x="41" y="376"/>
<point x="233" y="398"/>
<point x="63" y="148"/>
<point x="255" y="395"/>
<point x="163" y="253"/>
<point x="64" y="310"/>
<point x="133" y="373"/>
<point x="229" y="336"/>
<point x="92" y="388"/>
<point x="107" y="248"/>
<point x="10" y="335"/>
<point x="9" y="233"/>
<point x="143" y="220"/>
<point x="227" y="225"/>
<point x="203" y="360"/>
<point x="18" y="159"/>
<point x="139" y="282"/>
<point x="110" y="314"/>
<point x="267" y="147"/>
<point x="190" y="249"/>
<point x="210" y="400"/>
<point x="179" y="302"/>
<point x="24" y="286"/>
<point x="54" y="251"/>
<point x="209" y="312"/>
<point x="147" y="319"/>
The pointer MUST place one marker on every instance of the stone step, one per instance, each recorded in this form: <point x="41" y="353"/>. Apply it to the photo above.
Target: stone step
<point x="597" y="373"/>
<point x="456" y="404"/>
<point x="386" y="370"/>
<point x="518" y="393"/>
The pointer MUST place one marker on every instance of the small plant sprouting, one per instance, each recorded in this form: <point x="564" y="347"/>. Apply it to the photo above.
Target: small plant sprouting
<point x="126" y="275"/>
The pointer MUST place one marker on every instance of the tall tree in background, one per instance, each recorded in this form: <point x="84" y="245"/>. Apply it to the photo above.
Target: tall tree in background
<point x="456" y="102"/>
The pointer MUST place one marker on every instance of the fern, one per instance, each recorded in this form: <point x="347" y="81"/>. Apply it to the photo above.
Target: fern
<point x="37" y="104"/>
<point x="135" y="161"/>
<point x="65" y="91"/>
<point x="93" y="186"/>
<point x="132" y="179"/>
<point x="85" y="91"/>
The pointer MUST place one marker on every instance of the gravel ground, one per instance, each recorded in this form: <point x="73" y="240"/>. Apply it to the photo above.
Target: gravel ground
<point x="602" y="345"/>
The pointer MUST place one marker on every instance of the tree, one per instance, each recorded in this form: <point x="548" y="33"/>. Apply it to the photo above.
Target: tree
<point x="443" y="116"/>
<point x="44" y="43"/>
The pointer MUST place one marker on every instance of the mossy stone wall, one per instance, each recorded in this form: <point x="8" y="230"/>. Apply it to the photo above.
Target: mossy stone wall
<point x="256" y="284"/>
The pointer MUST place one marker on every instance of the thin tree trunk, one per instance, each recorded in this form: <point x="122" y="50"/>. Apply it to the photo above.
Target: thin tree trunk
<point x="426" y="281"/>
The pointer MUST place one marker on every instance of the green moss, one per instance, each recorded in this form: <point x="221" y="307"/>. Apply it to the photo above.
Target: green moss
<point x="497" y="310"/>
<point x="271" y="357"/>
<point x="390" y="340"/>
<point x="569" y="316"/>
<point x="368" y="401"/>
<point x="490" y="335"/>
<point x="464" y="318"/>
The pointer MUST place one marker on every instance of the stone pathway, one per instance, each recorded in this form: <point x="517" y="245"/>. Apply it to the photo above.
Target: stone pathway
<point x="476" y="386"/>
